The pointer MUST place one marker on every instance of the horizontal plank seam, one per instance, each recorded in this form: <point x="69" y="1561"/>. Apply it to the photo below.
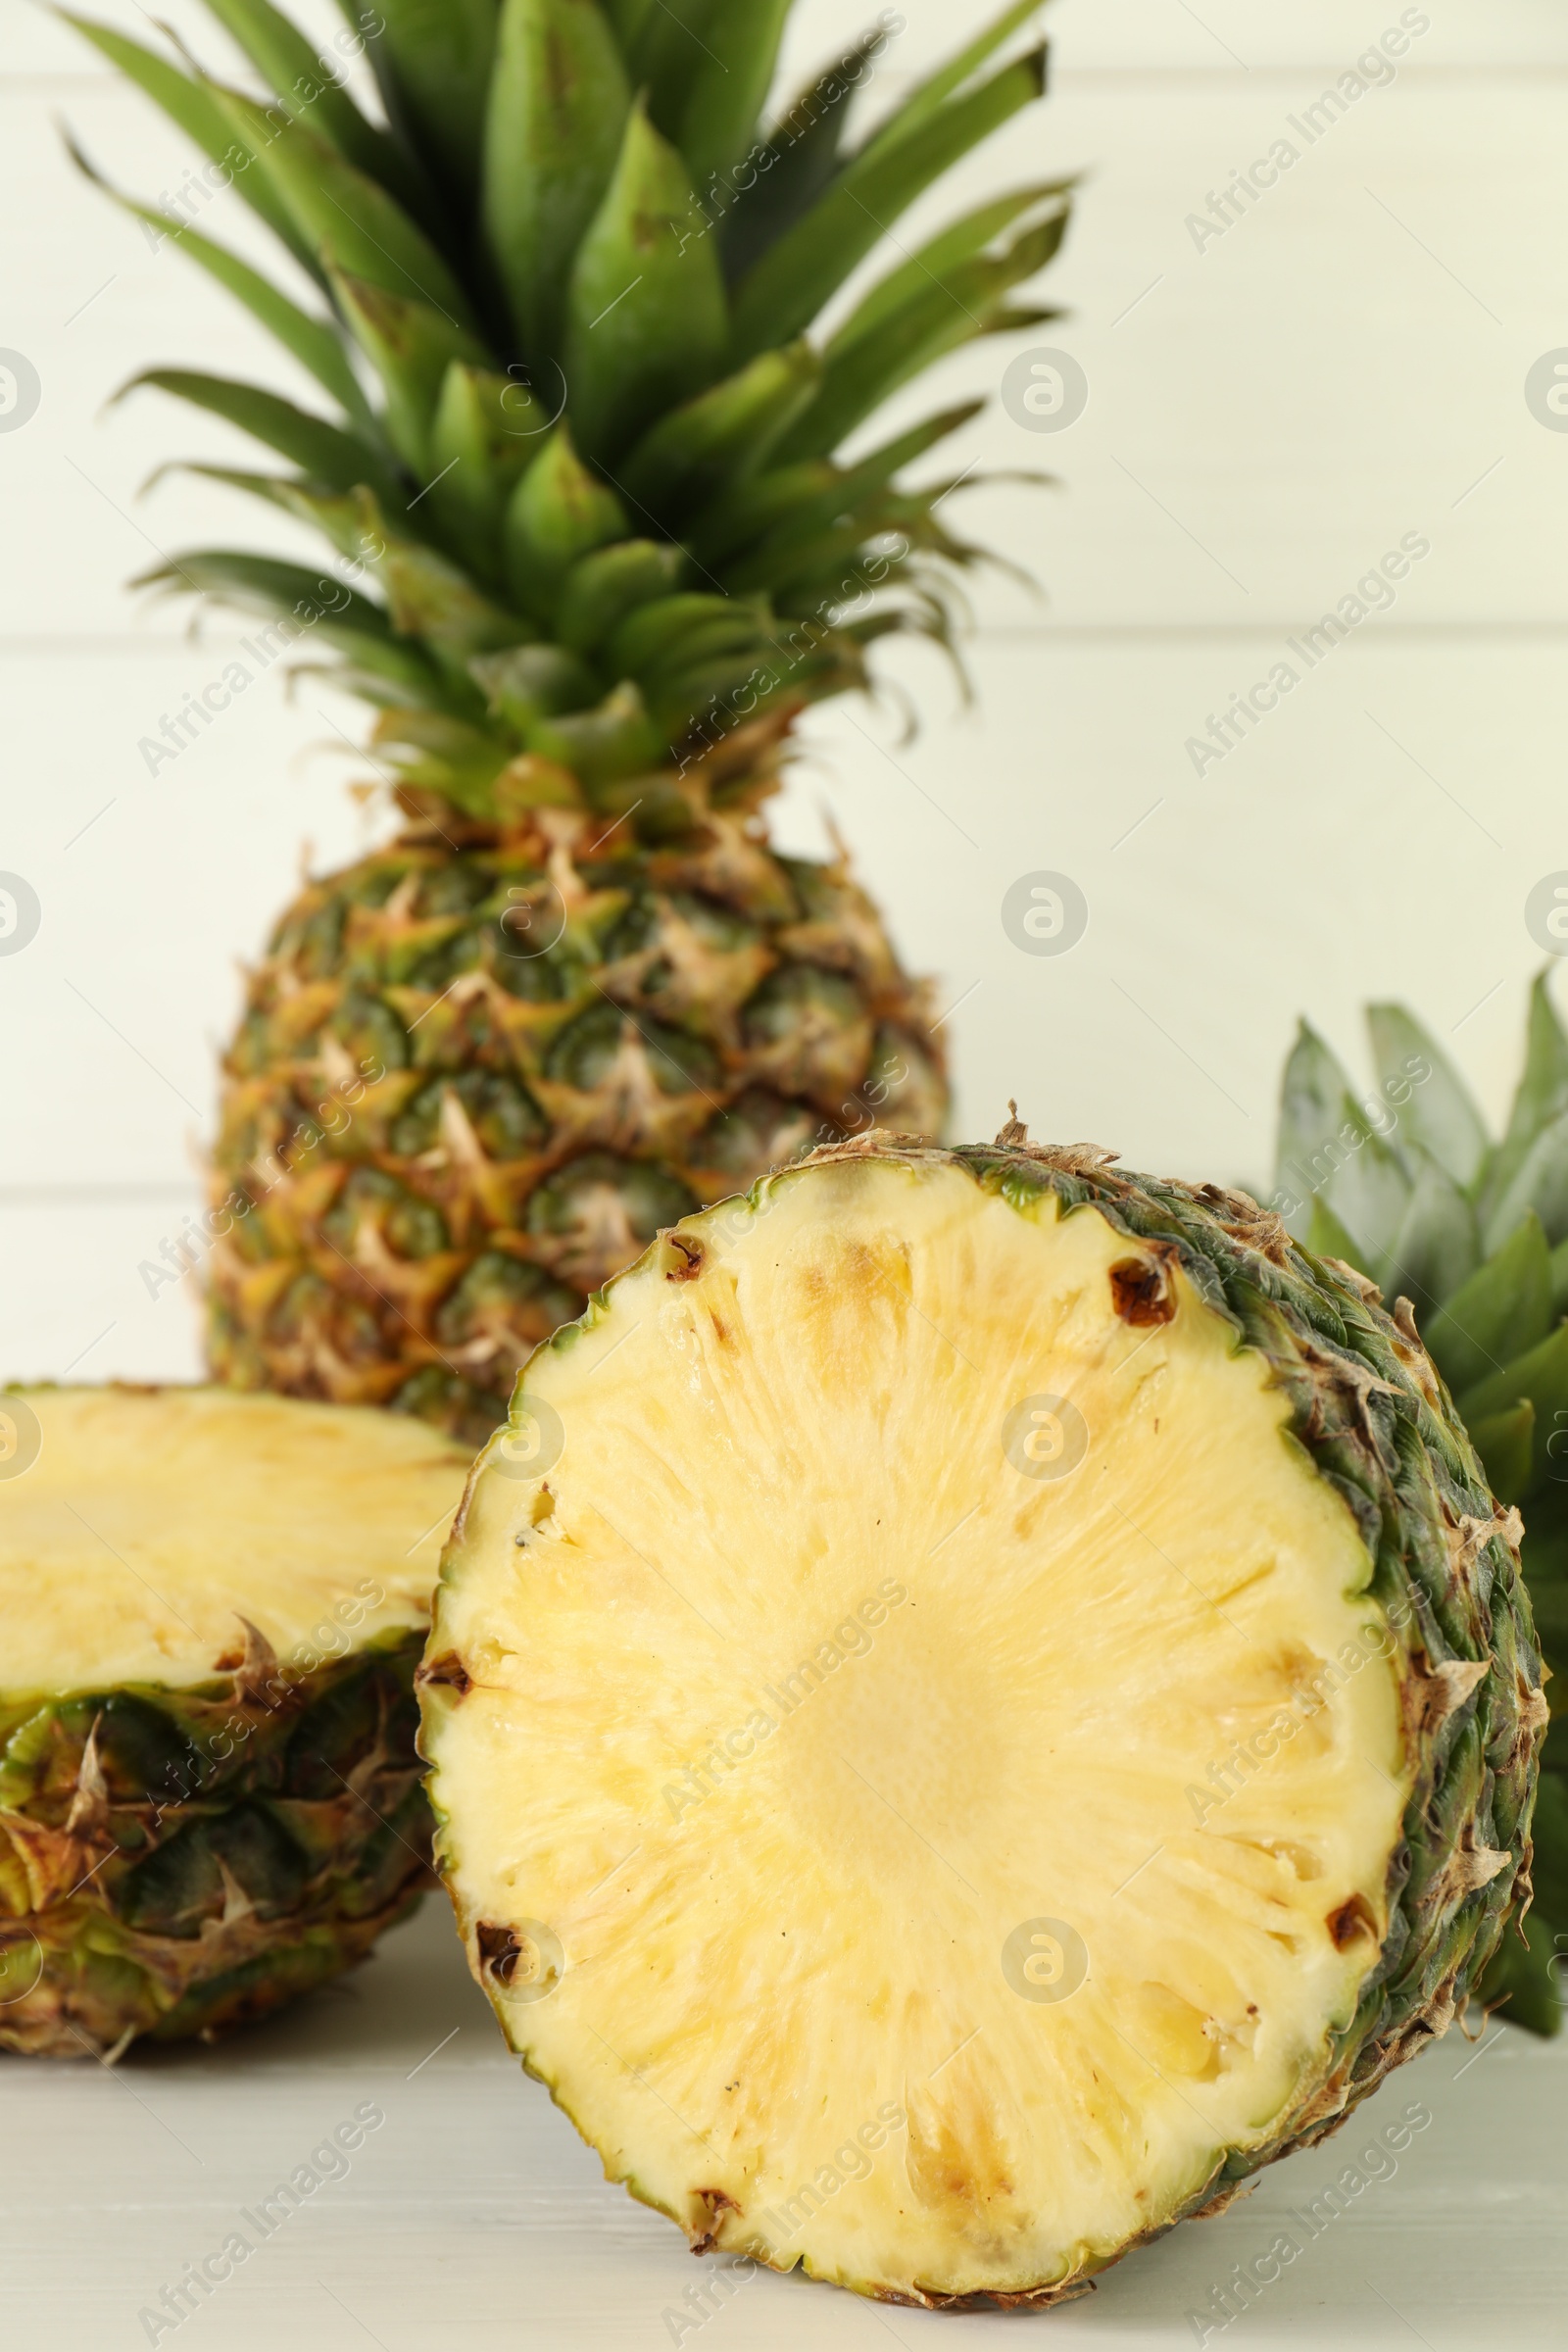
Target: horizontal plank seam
<point x="1220" y="79"/>
<point x="1066" y="633"/>
<point x="90" y="1196"/>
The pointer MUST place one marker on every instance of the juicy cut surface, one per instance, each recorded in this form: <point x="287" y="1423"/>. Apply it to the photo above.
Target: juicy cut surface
<point x="144" y="1524"/>
<point x="837" y="1680"/>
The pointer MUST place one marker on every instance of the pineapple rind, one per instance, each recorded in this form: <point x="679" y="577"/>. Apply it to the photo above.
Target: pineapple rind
<point x="228" y="1959"/>
<point x="1367" y="1412"/>
<point x="1471" y="1229"/>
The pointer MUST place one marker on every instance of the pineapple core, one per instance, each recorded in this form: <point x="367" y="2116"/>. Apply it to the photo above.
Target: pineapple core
<point x="919" y="1758"/>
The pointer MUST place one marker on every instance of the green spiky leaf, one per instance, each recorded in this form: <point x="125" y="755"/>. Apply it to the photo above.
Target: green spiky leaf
<point x="411" y="347"/>
<point x="1437" y="1246"/>
<point x="1326" y="1236"/>
<point x="547" y="428"/>
<point x="602" y="588"/>
<point x="1435" y="1106"/>
<point x="559" y="512"/>
<point x="533" y="682"/>
<point x="316" y="602"/>
<point x="1505" y="1442"/>
<point x="333" y="206"/>
<point x="665" y="46"/>
<point x="601" y="746"/>
<point x="965" y="241"/>
<point x="724" y="434"/>
<point x="931" y="96"/>
<point x="1539" y="1183"/>
<point x="1539" y="1375"/>
<point x="432" y="60"/>
<point x="309" y="86"/>
<point x="1328" y="1145"/>
<point x="811" y="261"/>
<point x="322" y="450"/>
<point x="750" y="510"/>
<point x="729" y="80"/>
<point x="558" y="107"/>
<point x="197" y="108"/>
<point x="429" y="598"/>
<point x="806" y="499"/>
<point x="796" y="163"/>
<point x="1500" y="1312"/>
<point x="1542" y="1097"/>
<point x="693" y="622"/>
<point x="647" y="315"/>
<point x="314" y="342"/>
<point x="479" y="452"/>
<point x="935" y="312"/>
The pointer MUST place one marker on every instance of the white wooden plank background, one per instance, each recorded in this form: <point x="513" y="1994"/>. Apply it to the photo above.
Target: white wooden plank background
<point x="474" y="2219"/>
<point x="1265" y="417"/>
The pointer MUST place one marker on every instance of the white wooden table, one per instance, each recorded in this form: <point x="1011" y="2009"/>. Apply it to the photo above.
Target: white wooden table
<point x="472" y="2217"/>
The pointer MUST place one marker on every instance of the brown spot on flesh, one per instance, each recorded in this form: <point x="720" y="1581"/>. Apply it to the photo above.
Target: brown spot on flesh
<point x="1353" y="1918"/>
<point x="1141" y="1293"/>
<point x="500" y="1950"/>
<point x="684" y="1258"/>
<point x="448" y="1671"/>
<point x="719" y="2202"/>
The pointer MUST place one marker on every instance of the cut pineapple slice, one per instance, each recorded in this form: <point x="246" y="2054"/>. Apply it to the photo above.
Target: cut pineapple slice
<point x="921" y="1748"/>
<point x="211" y="1609"/>
<point x="138" y="1527"/>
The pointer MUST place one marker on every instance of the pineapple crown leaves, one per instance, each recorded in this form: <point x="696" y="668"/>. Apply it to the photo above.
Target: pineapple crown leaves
<point x="1405" y="1182"/>
<point x="580" y="469"/>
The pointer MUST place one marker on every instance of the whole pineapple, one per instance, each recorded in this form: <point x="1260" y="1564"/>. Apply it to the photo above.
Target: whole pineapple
<point x="594" y="554"/>
<point x="1406" y="1184"/>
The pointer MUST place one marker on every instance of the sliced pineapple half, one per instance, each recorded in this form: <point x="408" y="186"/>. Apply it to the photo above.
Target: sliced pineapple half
<point x="210" y="1610"/>
<point x="976" y="1701"/>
